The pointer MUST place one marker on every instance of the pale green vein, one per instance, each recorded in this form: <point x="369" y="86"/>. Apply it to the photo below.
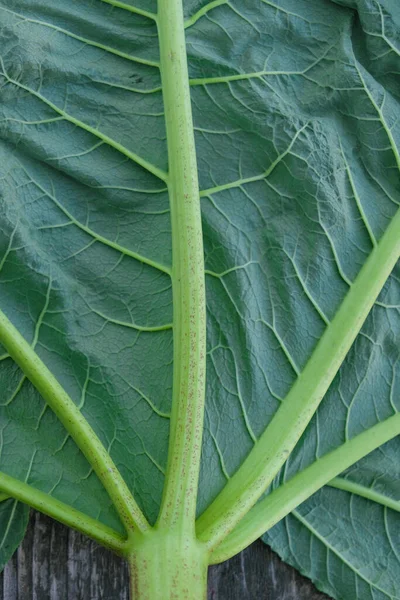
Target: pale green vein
<point x="306" y="290"/>
<point x="203" y="11"/>
<point x="384" y="305"/>
<point x="3" y="497"/>
<point x="381" y="118"/>
<point x="231" y="270"/>
<point x="245" y="19"/>
<point x="134" y="90"/>
<point x="84" y="389"/>
<point x="220" y="456"/>
<point x="242" y="402"/>
<point x="384" y="190"/>
<point x="239" y="77"/>
<point x="158" y="412"/>
<point x="34" y="342"/>
<point x="334" y="251"/>
<point x="389" y="535"/>
<point x="282" y="344"/>
<point x="217" y="131"/>
<point x="78" y="252"/>
<point x="155" y="463"/>
<point x="76" y="154"/>
<point x="383" y="35"/>
<point x="288" y="13"/>
<point x="340" y="483"/>
<point x="143" y="328"/>
<point x="7" y="529"/>
<point x="114" y="144"/>
<point x="109" y="49"/>
<point x="9" y="248"/>
<point x="238" y="392"/>
<point x="42" y="315"/>
<point x="255" y="74"/>
<point x="132" y="9"/>
<point x="358" y="199"/>
<point x="393" y="385"/>
<point x="99" y="238"/>
<point x="392" y="47"/>
<point x="15" y="392"/>
<point x="267" y="173"/>
<point x="341" y="557"/>
<point x="37" y="122"/>
<point x="360" y="384"/>
<point x="148" y="401"/>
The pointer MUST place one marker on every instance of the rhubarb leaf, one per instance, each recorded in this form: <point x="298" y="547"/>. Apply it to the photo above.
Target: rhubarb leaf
<point x="295" y="108"/>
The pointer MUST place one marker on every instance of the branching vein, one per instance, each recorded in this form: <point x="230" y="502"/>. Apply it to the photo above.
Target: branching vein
<point x="78" y="123"/>
<point x="84" y="40"/>
<point x="99" y="238"/>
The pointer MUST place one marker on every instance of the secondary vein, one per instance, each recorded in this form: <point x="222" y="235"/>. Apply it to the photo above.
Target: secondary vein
<point x="105" y="138"/>
<point x="254" y="178"/>
<point x="100" y="238"/>
<point x="86" y="41"/>
<point x="132" y="9"/>
<point x="74" y="422"/>
<point x="285" y="498"/>
<point x="64" y="513"/>
<point x="203" y="11"/>
<point x="294" y="414"/>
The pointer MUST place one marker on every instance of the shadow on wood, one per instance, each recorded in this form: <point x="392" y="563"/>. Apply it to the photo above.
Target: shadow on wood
<point x="55" y="563"/>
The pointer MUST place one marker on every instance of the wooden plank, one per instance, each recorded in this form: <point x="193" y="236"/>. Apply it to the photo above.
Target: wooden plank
<point x="54" y="563"/>
<point x="23" y="559"/>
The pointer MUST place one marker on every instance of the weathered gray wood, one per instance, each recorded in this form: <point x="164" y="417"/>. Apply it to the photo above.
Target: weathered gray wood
<point x="55" y="563"/>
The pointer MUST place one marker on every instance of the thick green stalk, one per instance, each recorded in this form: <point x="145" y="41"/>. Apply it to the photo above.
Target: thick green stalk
<point x="167" y="566"/>
<point x="179" y="501"/>
<point x="287" y="497"/>
<point x="74" y="422"/>
<point x="61" y="512"/>
<point x="294" y="414"/>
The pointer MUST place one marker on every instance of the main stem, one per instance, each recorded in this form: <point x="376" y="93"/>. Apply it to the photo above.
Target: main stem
<point x="164" y="566"/>
<point x="168" y="562"/>
<point x="178" y="506"/>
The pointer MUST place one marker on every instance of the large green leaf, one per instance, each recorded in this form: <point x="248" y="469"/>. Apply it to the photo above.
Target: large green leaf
<point x="295" y="111"/>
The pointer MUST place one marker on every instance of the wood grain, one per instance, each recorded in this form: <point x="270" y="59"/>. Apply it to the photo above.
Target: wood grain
<point x="54" y="563"/>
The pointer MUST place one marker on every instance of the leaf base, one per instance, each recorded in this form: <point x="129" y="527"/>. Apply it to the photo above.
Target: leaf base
<point x="168" y="566"/>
